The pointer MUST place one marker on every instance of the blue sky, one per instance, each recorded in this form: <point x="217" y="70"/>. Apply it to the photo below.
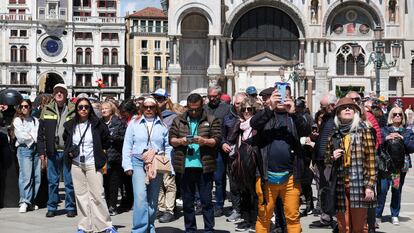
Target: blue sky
<point x="131" y="5"/>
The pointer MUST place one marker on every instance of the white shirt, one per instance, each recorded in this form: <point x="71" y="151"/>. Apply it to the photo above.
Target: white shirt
<point x="26" y="130"/>
<point x="86" y="147"/>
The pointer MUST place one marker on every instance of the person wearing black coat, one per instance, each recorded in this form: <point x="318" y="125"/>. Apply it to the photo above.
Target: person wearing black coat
<point x="86" y="138"/>
<point x="113" y="179"/>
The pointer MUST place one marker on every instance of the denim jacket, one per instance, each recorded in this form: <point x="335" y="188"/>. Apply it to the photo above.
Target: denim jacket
<point x="136" y="138"/>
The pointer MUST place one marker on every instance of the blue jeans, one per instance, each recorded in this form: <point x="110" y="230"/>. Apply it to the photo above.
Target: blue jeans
<point x="145" y="199"/>
<point x="395" y="198"/>
<point x="192" y="178"/>
<point x="54" y="168"/>
<point x="29" y="174"/>
<point x="220" y="181"/>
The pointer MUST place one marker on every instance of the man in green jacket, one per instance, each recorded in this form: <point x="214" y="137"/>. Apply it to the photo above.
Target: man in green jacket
<point x="51" y="147"/>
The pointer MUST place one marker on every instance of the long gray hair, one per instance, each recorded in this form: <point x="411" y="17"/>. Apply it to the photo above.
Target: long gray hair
<point x="355" y="121"/>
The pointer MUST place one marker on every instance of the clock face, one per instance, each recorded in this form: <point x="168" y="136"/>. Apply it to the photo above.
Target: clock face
<point x="52" y="46"/>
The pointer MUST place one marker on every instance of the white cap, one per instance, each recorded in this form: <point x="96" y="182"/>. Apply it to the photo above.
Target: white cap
<point x="60" y="85"/>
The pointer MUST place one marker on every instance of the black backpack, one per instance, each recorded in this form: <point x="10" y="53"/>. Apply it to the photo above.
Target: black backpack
<point x="243" y="167"/>
<point x="396" y="150"/>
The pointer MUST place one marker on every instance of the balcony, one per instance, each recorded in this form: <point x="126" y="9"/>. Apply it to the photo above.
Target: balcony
<point x="157" y="50"/>
<point x="15" y="17"/>
<point x="99" y="20"/>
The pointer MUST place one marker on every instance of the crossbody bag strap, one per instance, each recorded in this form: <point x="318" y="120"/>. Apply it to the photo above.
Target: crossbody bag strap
<point x="83" y="135"/>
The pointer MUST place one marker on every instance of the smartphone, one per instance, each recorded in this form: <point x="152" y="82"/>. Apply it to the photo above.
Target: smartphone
<point x="189" y="138"/>
<point x="281" y="88"/>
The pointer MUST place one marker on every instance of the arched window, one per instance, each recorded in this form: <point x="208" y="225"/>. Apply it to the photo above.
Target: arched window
<point x="114" y="57"/>
<point x="347" y="64"/>
<point x="13" y="53"/>
<point x="79" y="56"/>
<point x="23" y="54"/>
<point x="88" y="56"/>
<point x="105" y="56"/>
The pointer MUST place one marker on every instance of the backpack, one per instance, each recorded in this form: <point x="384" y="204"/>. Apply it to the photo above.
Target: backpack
<point x="384" y="164"/>
<point x="396" y="150"/>
<point x="243" y="167"/>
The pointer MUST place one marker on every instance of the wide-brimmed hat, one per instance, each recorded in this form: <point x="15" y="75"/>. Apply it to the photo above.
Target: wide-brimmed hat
<point x="346" y="102"/>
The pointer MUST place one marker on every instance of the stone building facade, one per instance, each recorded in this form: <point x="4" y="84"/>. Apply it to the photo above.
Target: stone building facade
<point x="76" y="42"/>
<point x="309" y="43"/>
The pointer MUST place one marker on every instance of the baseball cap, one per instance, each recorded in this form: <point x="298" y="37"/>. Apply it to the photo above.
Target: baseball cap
<point x="60" y="85"/>
<point x="251" y="90"/>
<point x="160" y="92"/>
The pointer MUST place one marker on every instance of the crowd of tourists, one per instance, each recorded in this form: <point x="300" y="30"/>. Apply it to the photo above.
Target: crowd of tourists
<point x="157" y="158"/>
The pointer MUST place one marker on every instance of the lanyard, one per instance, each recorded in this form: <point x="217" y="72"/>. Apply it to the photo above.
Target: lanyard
<point x="193" y="132"/>
<point x="149" y="132"/>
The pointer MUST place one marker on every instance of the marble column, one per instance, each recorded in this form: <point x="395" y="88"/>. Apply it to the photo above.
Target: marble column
<point x="174" y="89"/>
<point x="230" y="85"/>
<point x="310" y="94"/>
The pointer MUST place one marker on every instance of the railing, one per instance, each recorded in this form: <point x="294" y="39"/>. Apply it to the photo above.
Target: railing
<point x="16" y="17"/>
<point x="88" y="19"/>
<point x="149" y="29"/>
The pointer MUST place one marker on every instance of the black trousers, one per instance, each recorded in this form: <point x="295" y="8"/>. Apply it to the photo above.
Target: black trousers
<point x="113" y="182"/>
<point x="192" y="178"/>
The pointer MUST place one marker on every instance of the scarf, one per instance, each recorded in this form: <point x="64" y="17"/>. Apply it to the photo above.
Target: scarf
<point x="150" y="172"/>
<point x="345" y="128"/>
<point x="247" y="129"/>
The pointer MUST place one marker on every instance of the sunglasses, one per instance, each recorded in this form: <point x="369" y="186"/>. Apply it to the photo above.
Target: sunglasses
<point x="24" y="106"/>
<point x="356" y="99"/>
<point x="83" y="107"/>
<point x="212" y="96"/>
<point x="248" y="109"/>
<point x="346" y="107"/>
<point x="194" y="110"/>
<point x="160" y="99"/>
<point x="397" y="114"/>
<point x="150" y="107"/>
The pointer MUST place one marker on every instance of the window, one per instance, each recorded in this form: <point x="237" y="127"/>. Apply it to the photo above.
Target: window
<point x="165" y="26"/>
<point x="157" y="83"/>
<point x="23" y="78"/>
<point x="144" y="44"/>
<point x="22" y="1"/>
<point x="347" y="64"/>
<point x="23" y="54"/>
<point x="167" y="45"/>
<point x="12" y="1"/>
<point x="107" y="4"/>
<point x="114" y="57"/>
<point x="13" y="11"/>
<point x="88" y="80"/>
<point x="79" y="80"/>
<point x="23" y="33"/>
<point x="150" y="26"/>
<point x="109" y="36"/>
<point x="392" y="83"/>
<point x="13" y="54"/>
<point x="157" y="63"/>
<point x="144" y="64"/>
<point x="168" y="88"/>
<point x="144" y="84"/>
<point x="83" y="35"/>
<point x="105" y="79"/>
<point x="158" y="26"/>
<point x="79" y="56"/>
<point x="157" y="45"/>
<point x="13" y="33"/>
<point x="143" y="26"/>
<point x="167" y="61"/>
<point x="105" y="56"/>
<point x="13" y="78"/>
<point x="88" y="56"/>
<point x="87" y="3"/>
<point x="114" y="80"/>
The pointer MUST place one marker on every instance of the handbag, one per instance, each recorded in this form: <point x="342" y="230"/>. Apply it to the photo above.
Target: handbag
<point x="328" y="193"/>
<point x="73" y="150"/>
<point x="162" y="164"/>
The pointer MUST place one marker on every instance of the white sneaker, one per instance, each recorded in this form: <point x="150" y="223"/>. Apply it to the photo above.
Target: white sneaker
<point x="395" y="221"/>
<point x="23" y="208"/>
<point x="179" y="202"/>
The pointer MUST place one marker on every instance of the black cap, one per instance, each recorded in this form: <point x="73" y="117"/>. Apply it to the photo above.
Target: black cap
<point x="267" y="91"/>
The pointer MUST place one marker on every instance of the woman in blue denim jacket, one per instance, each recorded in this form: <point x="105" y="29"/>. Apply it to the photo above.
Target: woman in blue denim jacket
<point x="145" y="137"/>
<point x="396" y="128"/>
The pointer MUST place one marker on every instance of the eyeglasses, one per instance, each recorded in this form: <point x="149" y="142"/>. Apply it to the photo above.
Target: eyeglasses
<point x="356" y="99"/>
<point x="24" y="106"/>
<point x="248" y="109"/>
<point x="397" y="114"/>
<point x="83" y="107"/>
<point x="346" y="107"/>
<point x="150" y="107"/>
<point x="195" y="110"/>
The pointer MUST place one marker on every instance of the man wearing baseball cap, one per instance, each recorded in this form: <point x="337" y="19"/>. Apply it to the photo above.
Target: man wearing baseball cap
<point x="50" y="146"/>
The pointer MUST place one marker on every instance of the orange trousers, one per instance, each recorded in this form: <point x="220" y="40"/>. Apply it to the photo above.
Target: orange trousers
<point x="290" y="194"/>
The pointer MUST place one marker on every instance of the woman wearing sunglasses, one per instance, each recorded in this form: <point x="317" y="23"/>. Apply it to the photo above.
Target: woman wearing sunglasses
<point x="25" y="130"/>
<point x="243" y="165"/>
<point x="90" y="136"/>
<point x="144" y="138"/>
<point x="351" y="151"/>
<point x="395" y="135"/>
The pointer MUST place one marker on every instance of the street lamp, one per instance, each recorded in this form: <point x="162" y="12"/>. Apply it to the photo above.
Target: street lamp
<point x="378" y="55"/>
<point x="298" y="73"/>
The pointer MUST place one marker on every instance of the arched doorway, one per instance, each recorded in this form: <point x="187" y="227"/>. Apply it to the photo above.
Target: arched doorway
<point x="194" y="54"/>
<point x="48" y="81"/>
<point x="265" y="29"/>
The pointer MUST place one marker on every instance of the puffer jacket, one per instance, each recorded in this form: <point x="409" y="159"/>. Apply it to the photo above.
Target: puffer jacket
<point x="117" y="130"/>
<point x="208" y="127"/>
